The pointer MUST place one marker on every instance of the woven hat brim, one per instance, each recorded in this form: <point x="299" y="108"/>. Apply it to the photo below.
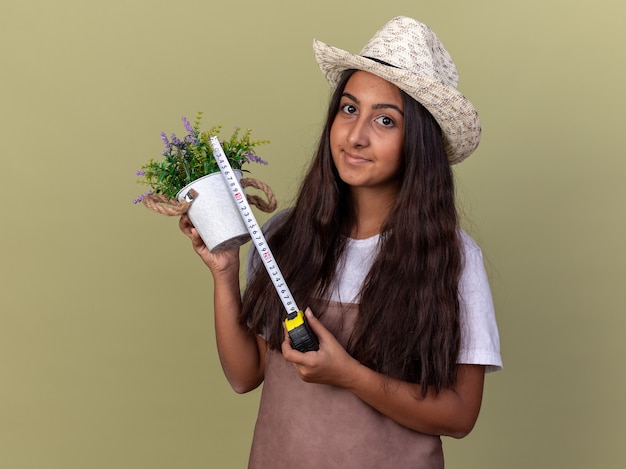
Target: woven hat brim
<point x="456" y="116"/>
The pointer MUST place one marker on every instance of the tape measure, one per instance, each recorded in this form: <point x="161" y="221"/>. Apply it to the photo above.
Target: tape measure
<point x="302" y="338"/>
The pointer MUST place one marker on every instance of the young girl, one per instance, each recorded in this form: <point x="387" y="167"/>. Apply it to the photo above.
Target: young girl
<point x="397" y="292"/>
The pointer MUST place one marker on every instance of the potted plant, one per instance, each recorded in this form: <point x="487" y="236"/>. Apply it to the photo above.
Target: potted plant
<point x="187" y="179"/>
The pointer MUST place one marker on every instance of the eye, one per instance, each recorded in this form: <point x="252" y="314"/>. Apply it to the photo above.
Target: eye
<point x="386" y="121"/>
<point x="348" y="108"/>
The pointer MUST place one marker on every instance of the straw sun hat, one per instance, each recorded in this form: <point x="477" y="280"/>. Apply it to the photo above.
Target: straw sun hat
<point x="417" y="63"/>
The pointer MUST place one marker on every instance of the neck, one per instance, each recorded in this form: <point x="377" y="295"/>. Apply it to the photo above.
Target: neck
<point x="371" y="209"/>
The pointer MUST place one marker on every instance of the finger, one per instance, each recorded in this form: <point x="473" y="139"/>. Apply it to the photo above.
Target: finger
<point x="194" y="235"/>
<point x="185" y="225"/>
<point x="286" y="345"/>
<point x="315" y="324"/>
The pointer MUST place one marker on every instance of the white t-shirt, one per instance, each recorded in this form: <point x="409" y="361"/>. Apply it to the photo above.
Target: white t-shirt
<point x="480" y="342"/>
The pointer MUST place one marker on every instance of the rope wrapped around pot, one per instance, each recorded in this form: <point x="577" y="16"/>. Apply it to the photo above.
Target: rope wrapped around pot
<point x="172" y="207"/>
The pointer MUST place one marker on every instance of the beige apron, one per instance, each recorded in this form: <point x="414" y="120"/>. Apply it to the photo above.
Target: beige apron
<point x="302" y="425"/>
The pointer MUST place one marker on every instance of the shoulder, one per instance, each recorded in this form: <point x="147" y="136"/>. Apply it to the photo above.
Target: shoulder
<point x="473" y="272"/>
<point x="472" y="254"/>
<point x="276" y="221"/>
<point x="468" y="245"/>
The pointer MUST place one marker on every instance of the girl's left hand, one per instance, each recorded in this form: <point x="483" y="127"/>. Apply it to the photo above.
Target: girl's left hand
<point x="331" y="364"/>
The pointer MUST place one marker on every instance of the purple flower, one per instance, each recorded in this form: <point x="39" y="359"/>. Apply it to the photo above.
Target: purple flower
<point x="141" y="172"/>
<point x="255" y="158"/>
<point x="191" y="139"/>
<point x="141" y="197"/>
<point x="188" y="126"/>
<point x="165" y="141"/>
<point x="175" y="140"/>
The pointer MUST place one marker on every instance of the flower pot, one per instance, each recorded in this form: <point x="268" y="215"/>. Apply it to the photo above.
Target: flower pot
<point x="214" y="213"/>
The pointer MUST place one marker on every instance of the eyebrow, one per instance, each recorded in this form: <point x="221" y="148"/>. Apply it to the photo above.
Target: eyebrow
<point x="375" y="106"/>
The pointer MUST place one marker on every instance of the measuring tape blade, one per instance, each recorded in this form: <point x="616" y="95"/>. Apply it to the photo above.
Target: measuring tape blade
<point x="253" y="228"/>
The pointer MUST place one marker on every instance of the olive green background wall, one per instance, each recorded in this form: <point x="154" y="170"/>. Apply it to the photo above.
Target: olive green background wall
<point x="107" y="355"/>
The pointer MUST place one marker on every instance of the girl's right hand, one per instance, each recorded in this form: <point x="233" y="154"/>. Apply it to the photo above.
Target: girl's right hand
<point x="219" y="263"/>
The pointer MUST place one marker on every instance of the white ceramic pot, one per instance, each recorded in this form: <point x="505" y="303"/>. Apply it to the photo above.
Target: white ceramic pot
<point x="215" y="214"/>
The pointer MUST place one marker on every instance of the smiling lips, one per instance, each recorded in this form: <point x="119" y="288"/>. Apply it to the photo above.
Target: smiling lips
<point x="354" y="159"/>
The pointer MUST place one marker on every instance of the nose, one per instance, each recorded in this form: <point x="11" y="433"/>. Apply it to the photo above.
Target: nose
<point x="358" y="135"/>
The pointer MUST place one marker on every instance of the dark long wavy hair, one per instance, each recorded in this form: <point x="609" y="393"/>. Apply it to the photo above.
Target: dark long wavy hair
<point x="408" y="322"/>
